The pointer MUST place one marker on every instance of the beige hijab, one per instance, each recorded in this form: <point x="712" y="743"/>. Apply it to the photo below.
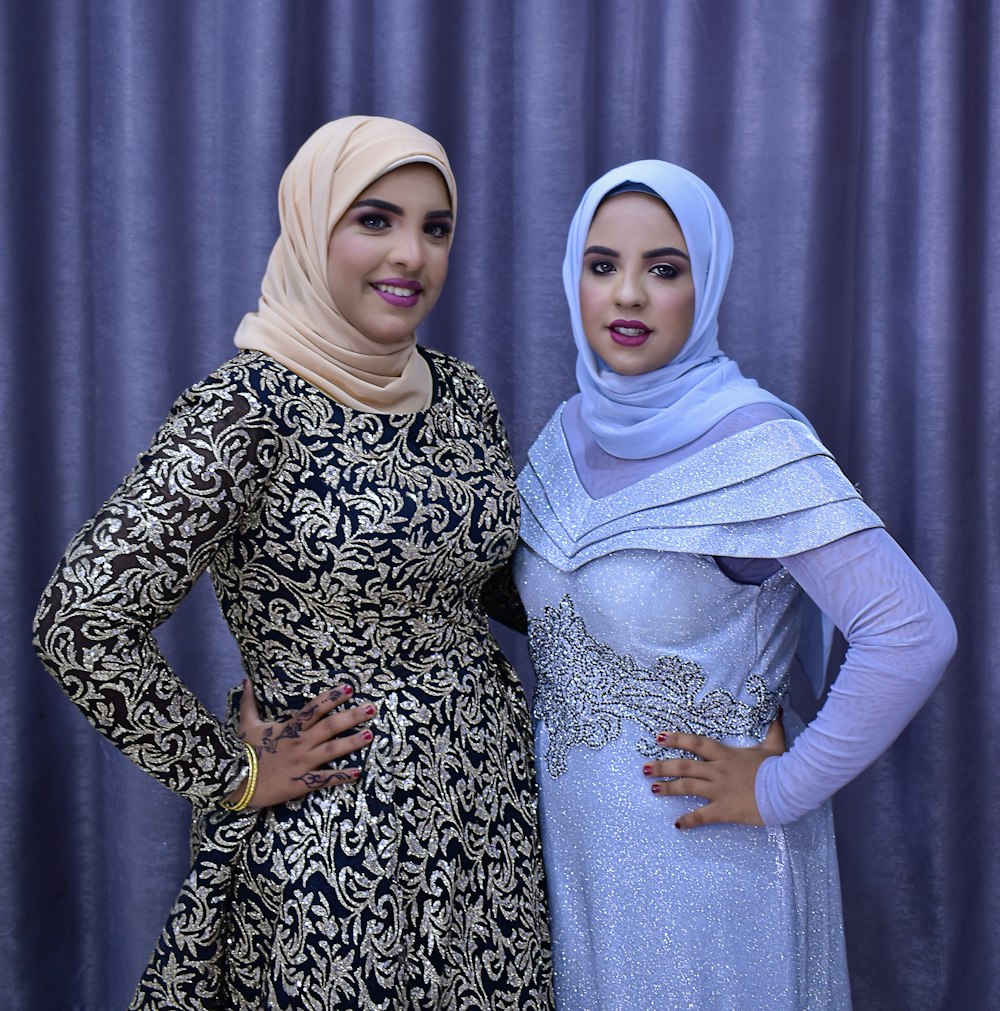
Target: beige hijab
<point x="296" y="322"/>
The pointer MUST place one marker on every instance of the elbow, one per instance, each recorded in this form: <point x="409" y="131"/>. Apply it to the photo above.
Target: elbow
<point x="45" y="630"/>
<point x="946" y="637"/>
<point x="937" y="641"/>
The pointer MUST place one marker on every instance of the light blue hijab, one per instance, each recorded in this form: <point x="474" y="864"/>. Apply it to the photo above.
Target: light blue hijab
<point x="638" y="417"/>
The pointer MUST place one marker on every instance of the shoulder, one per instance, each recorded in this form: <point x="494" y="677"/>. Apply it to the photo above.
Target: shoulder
<point x="457" y="379"/>
<point x="235" y="395"/>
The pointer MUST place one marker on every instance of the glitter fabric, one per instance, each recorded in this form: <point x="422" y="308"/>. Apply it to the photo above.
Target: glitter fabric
<point x="343" y="546"/>
<point x="635" y="628"/>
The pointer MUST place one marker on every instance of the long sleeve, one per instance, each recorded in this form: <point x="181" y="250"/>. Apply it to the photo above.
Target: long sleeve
<point x="128" y="569"/>
<point x="900" y="638"/>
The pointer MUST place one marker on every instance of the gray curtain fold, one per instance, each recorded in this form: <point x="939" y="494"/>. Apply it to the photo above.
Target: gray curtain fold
<point x="856" y="147"/>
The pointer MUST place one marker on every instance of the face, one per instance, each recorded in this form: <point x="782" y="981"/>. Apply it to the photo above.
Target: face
<point x="636" y="289"/>
<point x="388" y="255"/>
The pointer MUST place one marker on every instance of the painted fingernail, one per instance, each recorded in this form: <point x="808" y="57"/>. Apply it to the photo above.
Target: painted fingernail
<point x="661" y="738"/>
<point x="781" y="711"/>
<point x="354" y="773"/>
<point x="647" y="770"/>
<point x="677" y="824"/>
<point x="370" y="710"/>
<point x="656" y="788"/>
<point x="366" y="735"/>
<point x="346" y="690"/>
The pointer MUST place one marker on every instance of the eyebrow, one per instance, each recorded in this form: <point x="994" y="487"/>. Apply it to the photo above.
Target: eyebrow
<point x="651" y="254"/>
<point x="384" y="205"/>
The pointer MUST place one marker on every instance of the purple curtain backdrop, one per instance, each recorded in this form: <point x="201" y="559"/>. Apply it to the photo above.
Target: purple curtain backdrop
<point x="856" y="148"/>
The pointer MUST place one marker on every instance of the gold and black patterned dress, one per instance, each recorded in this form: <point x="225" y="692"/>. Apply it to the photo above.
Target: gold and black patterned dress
<point x="344" y="547"/>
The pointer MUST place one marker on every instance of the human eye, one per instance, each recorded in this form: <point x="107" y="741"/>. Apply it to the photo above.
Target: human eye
<point x="437" y="229"/>
<point x="373" y="221"/>
<point x="666" y="270"/>
<point x="601" y="267"/>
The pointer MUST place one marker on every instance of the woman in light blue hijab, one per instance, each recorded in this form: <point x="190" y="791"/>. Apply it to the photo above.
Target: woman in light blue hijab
<point x="676" y="522"/>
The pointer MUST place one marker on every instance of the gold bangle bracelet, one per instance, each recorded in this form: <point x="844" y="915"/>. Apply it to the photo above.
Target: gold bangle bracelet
<point x="251" y="786"/>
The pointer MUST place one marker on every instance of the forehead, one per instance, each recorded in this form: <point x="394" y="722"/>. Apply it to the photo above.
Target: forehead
<point x="415" y="182"/>
<point x="636" y="214"/>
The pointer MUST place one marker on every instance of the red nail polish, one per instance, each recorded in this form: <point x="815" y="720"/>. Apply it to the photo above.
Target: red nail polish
<point x="366" y="735"/>
<point x="656" y="788"/>
<point x="370" y="710"/>
<point x="647" y="770"/>
<point x="661" y="738"/>
<point x="347" y="690"/>
<point x="677" y="824"/>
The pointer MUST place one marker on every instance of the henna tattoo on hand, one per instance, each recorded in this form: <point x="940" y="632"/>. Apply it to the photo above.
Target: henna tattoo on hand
<point x="316" y="780"/>
<point x="288" y="731"/>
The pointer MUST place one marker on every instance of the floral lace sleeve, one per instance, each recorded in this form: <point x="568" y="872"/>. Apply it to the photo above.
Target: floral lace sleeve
<point x="128" y="569"/>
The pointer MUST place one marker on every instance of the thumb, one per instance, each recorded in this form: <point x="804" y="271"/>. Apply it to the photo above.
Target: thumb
<point x="774" y="739"/>
<point x="249" y="716"/>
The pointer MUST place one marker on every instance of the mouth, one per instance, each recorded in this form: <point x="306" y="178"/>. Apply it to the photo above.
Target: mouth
<point x="629" y="332"/>
<point x="398" y="291"/>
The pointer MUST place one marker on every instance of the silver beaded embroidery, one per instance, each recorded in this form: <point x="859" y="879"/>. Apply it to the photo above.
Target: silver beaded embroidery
<point x="572" y="697"/>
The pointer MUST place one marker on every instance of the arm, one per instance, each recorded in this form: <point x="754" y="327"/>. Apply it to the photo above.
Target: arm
<point x="130" y="566"/>
<point x="900" y="638"/>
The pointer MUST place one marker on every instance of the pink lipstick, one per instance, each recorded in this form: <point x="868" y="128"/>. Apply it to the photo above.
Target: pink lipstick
<point x="404" y="293"/>
<point x="629" y="332"/>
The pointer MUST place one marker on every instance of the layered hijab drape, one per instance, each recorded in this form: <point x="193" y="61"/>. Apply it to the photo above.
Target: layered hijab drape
<point x="638" y="417"/>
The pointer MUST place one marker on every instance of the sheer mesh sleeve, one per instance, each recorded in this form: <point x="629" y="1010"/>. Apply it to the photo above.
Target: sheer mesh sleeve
<point x="900" y="638"/>
<point x="128" y="569"/>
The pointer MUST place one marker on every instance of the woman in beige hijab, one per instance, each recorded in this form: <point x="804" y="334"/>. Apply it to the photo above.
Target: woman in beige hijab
<point x="364" y="828"/>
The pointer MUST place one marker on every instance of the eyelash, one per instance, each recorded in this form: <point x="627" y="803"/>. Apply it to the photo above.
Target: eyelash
<point x="375" y="222"/>
<point x="670" y="271"/>
<point x="667" y="271"/>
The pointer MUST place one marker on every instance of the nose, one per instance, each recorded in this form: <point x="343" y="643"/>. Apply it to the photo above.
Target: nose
<point x="629" y="291"/>
<point x="408" y="248"/>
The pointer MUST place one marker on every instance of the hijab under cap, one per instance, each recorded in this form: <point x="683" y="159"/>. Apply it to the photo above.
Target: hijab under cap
<point x="638" y="417"/>
<point x="297" y="322"/>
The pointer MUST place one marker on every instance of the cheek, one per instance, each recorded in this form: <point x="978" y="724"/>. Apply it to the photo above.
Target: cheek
<point x="435" y="274"/>
<point x="678" y="309"/>
<point x="592" y="307"/>
<point x="348" y="260"/>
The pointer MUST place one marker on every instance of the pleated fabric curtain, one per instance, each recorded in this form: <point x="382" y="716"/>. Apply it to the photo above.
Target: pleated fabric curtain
<point x="856" y="147"/>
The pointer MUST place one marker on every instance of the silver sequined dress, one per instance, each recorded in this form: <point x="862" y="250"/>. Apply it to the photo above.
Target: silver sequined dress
<point x="344" y="547"/>
<point x="634" y="628"/>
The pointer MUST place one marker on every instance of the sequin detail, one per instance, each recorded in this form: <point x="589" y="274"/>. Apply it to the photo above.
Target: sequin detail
<point x="585" y="691"/>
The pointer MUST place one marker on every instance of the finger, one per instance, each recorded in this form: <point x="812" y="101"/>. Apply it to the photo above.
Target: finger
<point x="684" y="788"/>
<point x="314" y="710"/>
<point x="249" y="716"/>
<point x="671" y="767"/>
<point x="340" y="721"/>
<point x="707" y="814"/>
<point x="320" y="778"/>
<point x="774" y="739"/>
<point x="337" y="747"/>
<point x="705" y="747"/>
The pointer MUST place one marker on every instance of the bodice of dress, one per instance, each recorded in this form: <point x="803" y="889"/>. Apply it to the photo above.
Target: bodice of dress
<point x="368" y="548"/>
<point x="662" y="642"/>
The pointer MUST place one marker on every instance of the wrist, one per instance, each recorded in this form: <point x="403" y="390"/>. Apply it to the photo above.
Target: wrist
<point x="239" y="799"/>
